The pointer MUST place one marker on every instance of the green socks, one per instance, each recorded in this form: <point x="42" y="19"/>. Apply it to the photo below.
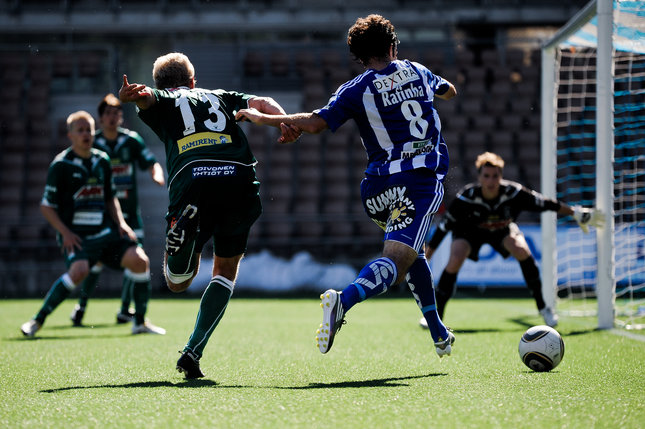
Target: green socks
<point x="57" y="294"/>
<point x="211" y="309"/>
<point x="89" y="284"/>
<point x="140" y="294"/>
<point x="127" y="291"/>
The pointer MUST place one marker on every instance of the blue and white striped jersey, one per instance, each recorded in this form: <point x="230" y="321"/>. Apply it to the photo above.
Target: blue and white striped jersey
<point x="398" y="124"/>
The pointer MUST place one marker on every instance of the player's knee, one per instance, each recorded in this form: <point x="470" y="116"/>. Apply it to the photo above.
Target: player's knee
<point x="178" y="282"/>
<point x="177" y="287"/>
<point x="78" y="271"/>
<point x="521" y="253"/>
<point x="78" y="276"/>
<point x="136" y="260"/>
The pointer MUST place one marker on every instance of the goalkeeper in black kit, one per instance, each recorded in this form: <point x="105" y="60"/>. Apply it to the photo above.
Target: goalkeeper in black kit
<point x="485" y="212"/>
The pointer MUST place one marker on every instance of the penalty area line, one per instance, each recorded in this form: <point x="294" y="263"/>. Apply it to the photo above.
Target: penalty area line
<point x="627" y="334"/>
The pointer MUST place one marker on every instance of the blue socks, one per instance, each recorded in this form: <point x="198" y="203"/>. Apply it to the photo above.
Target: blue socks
<point x="420" y="282"/>
<point x="373" y="279"/>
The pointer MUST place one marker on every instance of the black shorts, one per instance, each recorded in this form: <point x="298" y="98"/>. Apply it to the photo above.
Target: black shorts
<point x="106" y="246"/>
<point x="476" y="237"/>
<point x="227" y="207"/>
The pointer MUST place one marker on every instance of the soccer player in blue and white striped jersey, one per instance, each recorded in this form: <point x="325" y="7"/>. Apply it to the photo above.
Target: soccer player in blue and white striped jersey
<point x="392" y="104"/>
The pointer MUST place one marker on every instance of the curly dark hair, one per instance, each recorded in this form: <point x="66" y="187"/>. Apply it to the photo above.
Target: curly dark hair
<point x="371" y="37"/>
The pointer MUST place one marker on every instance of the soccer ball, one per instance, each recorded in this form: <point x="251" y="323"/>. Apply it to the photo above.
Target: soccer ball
<point x="541" y="348"/>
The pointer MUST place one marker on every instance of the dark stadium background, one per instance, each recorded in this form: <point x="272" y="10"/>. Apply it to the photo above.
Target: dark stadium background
<point x="60" y="56"/>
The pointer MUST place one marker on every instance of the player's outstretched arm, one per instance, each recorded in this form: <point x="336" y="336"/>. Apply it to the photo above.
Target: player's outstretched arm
<point x="266" y="105"/>
<point x="305" y="122"/>
<point x="136" y="93"/>
<point x="586" y="217"/>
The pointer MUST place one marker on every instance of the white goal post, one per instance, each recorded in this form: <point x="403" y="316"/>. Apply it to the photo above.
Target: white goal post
<point x="595" y="61"/>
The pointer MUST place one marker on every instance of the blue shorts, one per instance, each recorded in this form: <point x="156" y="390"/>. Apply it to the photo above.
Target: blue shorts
<point x="403" y="204"/>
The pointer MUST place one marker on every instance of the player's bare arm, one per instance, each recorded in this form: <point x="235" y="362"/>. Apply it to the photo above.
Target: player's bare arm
<point x="289" y="133"/>
<point x="449" y="93"/>
<point x="156" y="172"/>
<point x="266" y="105"/>
<point x="136" y="93"/>
<point x="305" y="122"/>
<point x="71" y="241"/>
<point x="114" y="209"/>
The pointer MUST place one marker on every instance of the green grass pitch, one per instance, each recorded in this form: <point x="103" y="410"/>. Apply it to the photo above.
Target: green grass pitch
<point x="263" y="370"/>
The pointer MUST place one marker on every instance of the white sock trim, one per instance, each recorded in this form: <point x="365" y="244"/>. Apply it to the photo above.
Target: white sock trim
<point x="67" y="281"/>
<point x="228" y="284"/>
<point x="97" y="268"/>
<point x="177" y="278"/>
<point x="138" y="277"/>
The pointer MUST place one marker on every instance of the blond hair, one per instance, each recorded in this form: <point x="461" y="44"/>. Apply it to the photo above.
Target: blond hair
<point x="76" y="116"/>
<point x="172" y="71"/>
<point x="489" y="159"/>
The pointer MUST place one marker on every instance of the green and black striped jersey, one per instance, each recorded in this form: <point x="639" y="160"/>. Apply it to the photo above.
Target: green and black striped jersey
<point x="127" y="153"/>
<point x="198" y="125"/>
<point x="78" y="189"/>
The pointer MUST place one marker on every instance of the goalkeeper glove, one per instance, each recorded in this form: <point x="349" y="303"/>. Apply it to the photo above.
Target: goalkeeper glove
<point x="588" y="217"/>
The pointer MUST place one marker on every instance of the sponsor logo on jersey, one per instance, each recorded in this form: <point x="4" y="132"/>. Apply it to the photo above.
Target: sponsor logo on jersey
<point x="202" y="139"/>
<point x="394" y="201"/>
<point x="395" y="80"/>
<point x="89" y="192"/>
<point x="123" y="194"/>
<point x="399" y="95"/>
<point x="214" y="171"/>
<point x="412" y="149"/>
<point x="120" y="170"/>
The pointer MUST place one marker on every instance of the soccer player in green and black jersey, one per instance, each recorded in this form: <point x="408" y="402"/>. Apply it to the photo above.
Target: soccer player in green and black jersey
<point x="80" y="204"/>
<point x="212" y="186"/>
<point x="127" y="152"/>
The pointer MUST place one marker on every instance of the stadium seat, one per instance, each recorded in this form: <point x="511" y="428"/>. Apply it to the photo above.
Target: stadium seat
<point x="331" y="60"/>
<point x="474" y="143"/>
<point x="63" y="64"/>
<point x="253" y="64"/>
<point x="280" y="63"/>
<point x="305" y="62"/>
<point x="89" y="64"/>
<point x="491" y="58"/>
<point x="502" y="143"/>
<point x="485" y="122"/>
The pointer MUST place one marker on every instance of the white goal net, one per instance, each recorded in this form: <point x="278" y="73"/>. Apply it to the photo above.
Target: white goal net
<point x="593" y="145"/>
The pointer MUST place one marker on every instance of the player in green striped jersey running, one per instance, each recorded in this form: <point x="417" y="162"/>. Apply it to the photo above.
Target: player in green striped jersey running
<point x="212" y="186"/>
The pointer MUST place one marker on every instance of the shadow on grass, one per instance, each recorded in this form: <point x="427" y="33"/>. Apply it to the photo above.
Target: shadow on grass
<point x="526" y="324"/>
<point x="379" y="382"/>
<point x="149" y="384"/>
<point x="85" y="332"/>
<point x="91" y="326"/>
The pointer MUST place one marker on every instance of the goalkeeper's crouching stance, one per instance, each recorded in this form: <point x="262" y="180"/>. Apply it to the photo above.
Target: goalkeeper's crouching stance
<point x="485" y="212"/>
